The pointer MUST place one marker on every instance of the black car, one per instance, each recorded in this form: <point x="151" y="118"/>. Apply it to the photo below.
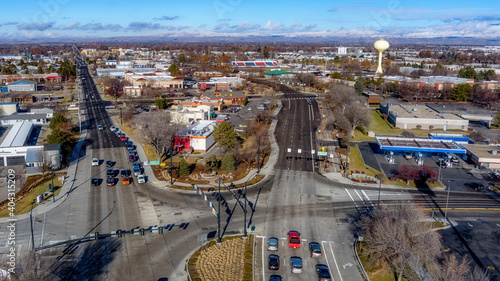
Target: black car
<point x="94" y="181"/>
<point x="275" y="278"/>
<point x="109" y="163"/>
<point x="110" y="172"/>
<point x="477" y="186"/>
<point x="323" y="272"/>
<point x="124" y="173"/>
<point x="273" y="262"/>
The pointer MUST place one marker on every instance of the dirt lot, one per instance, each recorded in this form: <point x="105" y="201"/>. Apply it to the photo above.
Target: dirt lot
<point x="231" y="260"/>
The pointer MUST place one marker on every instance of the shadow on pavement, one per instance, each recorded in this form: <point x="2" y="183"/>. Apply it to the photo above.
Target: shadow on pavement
<point x="86" y="261"/>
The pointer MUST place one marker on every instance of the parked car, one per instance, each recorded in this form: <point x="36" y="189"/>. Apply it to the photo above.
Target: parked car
<point x="315" y="249"/>
<point x="323" y="272"/>
<point x="296" y="264"/>
<point x="273" y="262"/>
<point x="272" y="244"/>
<point x="110" y="181"/>
<point x="95" y="162"/>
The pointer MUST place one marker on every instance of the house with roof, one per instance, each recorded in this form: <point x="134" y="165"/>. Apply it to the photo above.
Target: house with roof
<point x="22" y="86"/>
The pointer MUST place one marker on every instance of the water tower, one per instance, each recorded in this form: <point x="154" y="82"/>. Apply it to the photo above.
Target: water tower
<point x="381" y="45"/>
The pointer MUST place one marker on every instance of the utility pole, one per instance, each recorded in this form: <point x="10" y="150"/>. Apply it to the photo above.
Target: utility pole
<point x="258" y="156"/>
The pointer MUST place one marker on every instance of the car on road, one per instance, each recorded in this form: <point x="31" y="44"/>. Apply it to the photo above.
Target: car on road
<point x="272" y="244"/>
<point x="323" y="272"/>
<point x="135" y="165"/>
<point x="123" y="138"/>
<point x="132" y="158"/>
<point x="273" y="262"/>
<point x="137" y="171"/>
<point x="124" y="172"/>
<point x="477" y="186"/>
<point x="94" y="181"/>
<point x="110" y="181"/>
<point x="315" y="249"/>
<point x="100" y="127"/>
<point x="95" y="162"/>
<point x="110" y="172"/>
<point x="275" y="278"/>
<point x="126" y="181"/>
<point x="294" y="239"/>
<point x="141" y="179"/>
<point x="112" y="128"/>
<point x="296" y="264"/>
<point x="109" y="163"/>
<point x="249" y="108"/>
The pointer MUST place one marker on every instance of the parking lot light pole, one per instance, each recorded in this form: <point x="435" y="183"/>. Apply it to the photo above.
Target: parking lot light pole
<point x="447" y="199"/>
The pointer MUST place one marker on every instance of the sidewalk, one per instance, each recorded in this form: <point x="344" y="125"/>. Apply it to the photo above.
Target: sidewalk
<point x="68" y="184"/>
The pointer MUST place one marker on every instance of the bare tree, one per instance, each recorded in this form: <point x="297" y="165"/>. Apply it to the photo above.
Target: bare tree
<point x="157" y="130"/>
<point x="454" y="269"/>
<point x="394" y="234"/>
<point x="479" y="274"/>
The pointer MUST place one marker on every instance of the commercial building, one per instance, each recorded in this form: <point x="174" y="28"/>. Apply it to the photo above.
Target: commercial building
<point x="227" y="97"/>
<point x="196" y="137"/>
<point x="373" y="98"/>
<point x="22" y="86"/>
<point x="417" y="116"/>
<point x="9" y="108"/>
<point x="487" y="156"/>
<point x="257" y="63"/>
<point x="183" y="115"/>
<point x="156" y="79"/>
<point x="132" y="91"/>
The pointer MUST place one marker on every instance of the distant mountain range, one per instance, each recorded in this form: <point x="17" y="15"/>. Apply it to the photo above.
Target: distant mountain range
<point x="193" y="37"/>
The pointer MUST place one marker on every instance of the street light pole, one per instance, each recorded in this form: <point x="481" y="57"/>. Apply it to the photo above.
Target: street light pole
<point x="447" y="199"/>
<point x="31" y="223"/>
<point x="219" y="240"/>
<point x="379" y="187"/>
<point x="258" y="156"/>
<point x="245" y="220"/>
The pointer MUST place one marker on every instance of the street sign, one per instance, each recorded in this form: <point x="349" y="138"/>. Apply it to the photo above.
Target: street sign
<point x="289" y="150"/>
<point x="320" y="153"/>
<point x="331" y="155"/>
<point x="299" y="150"/>
<point x="163" y="164"/>
<point x="323" y="149"/>
<point x="313" y="151"/>
<point x="154" y="162"/>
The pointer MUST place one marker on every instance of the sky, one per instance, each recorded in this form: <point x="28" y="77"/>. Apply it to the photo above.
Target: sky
<point x="35" y="19"/>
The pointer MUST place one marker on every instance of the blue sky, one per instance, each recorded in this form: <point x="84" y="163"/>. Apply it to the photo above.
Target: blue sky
<point x="389" y="18"/>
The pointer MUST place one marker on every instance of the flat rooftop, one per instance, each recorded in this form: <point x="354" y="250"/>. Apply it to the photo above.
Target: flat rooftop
<point x="484" y="151"/>
<point x="420" y="111"/>
<point x="416" y="144"/>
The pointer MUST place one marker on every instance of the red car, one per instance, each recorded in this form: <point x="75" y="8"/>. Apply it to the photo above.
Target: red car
<point x="294" y="239"/>
<point x="123" y="138"/>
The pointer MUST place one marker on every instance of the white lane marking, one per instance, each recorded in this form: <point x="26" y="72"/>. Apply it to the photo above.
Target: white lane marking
<point x="310" y="134"/>
<point x="362" y="199"/>
<point x="470" y="225"/>
<point x="325" y="255"/>
<point x="369" y="200"/>
<point x="336" y="265"/>
<point x="355" y="204"/>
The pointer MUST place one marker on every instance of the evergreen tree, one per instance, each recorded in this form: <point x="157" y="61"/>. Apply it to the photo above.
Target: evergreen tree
<point x="228" y="164"/>
<point x="58" y="118"/>
<point x="359" y="86"/>
<point x="225" y="135"/>
<point x="183" y="168"/>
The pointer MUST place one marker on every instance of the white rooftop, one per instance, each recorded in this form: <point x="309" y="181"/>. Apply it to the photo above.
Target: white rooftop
<point x="18" y="134"/>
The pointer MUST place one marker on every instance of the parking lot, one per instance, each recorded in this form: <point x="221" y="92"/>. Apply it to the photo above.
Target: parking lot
<point x="456" y="176"/>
